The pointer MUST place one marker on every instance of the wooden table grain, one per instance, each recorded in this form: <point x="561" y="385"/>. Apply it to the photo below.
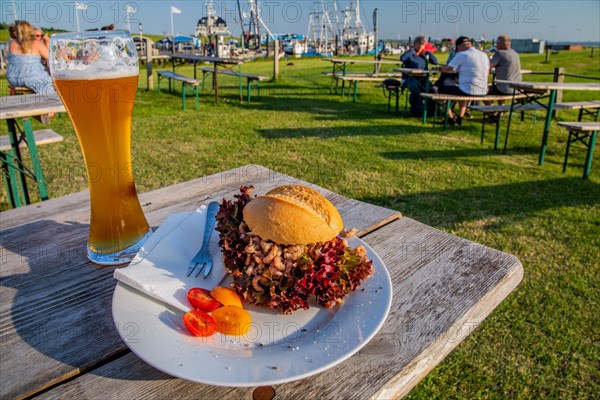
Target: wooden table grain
<point x="58" y="337"/>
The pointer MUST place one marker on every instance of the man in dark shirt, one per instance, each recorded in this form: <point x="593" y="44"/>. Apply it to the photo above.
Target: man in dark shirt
<point x="417" y="57"/>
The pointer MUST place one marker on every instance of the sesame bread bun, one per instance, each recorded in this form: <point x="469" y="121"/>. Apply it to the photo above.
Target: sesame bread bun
<point x="293" y="214"/>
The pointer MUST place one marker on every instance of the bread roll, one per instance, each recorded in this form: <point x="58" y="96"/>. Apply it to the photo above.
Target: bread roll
<point x="293" y="214"/>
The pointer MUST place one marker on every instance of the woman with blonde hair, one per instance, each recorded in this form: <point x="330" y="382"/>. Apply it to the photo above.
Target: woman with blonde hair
<point x="25" y="55"/>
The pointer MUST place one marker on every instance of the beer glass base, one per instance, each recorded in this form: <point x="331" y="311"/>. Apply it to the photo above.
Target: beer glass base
<point x="119" y="257"/>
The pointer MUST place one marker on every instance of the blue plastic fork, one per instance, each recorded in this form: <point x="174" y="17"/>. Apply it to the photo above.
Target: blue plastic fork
<point x="203" y="258"/>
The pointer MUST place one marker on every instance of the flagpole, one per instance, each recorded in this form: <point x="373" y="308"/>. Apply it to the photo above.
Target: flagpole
<point x="76" y="18"/>
<point x="172" y="31"/>
<point x="14" y="5"/>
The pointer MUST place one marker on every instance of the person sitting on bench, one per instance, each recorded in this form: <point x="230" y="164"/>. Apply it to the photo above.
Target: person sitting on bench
<point x="508" y="67"/>
<point x="473" y="67"/>
<point x="419" y="58"/>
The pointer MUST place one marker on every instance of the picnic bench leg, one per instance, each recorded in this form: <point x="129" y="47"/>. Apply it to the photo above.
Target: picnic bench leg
<point x="183" y="95"/>
<point x="249" y="88"/>
<point x="216" y="84"/>
<point x="35" y="159"/>
<point x="397" y="93"/>
<point x="10" y="179"/>
<point x="425" y="100"/>
<point x="580" y="116"/>
<point x="197" y="100"/>
<point x="547" y="126"/>
<point x="497" y="138"/>
<point x="482" y="128"/>
<point x="355" y="90"/>
<point x="334" y="81"/>
<point x="241" y="84"/>
<point x="446" y="114"/>
<point x="569" y="141"/>
<point x="343" y="81"/>
<point x="16" y="157"/>
<point x="510" y="113"/>
<point x="590" y="153"/>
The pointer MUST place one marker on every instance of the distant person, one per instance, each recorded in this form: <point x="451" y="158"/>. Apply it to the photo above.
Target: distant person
<point x="45" y="39"/>
<point x="507" y="64"/>
<point x="445" y="78"/>
<point x="25" y="55"/>
<point x="473" y="67"/>
<point x="419" y="58"/>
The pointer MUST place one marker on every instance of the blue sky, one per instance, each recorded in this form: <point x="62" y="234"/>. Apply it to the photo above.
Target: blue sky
<point x="549" y="20"/>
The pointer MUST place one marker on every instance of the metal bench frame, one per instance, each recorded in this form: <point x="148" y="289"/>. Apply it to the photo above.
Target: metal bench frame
<point x="185" y="84"/>
<point x="14" y="169"/>
<point x="250" y="79"/>
<point x="585" y="133"/>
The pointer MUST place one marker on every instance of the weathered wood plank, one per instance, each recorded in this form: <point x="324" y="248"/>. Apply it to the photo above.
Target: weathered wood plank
<point x="42" y="136"/>
<point x="444" y="287"/>
<point x="55" y="306"/>
<point x="29" y="105"/>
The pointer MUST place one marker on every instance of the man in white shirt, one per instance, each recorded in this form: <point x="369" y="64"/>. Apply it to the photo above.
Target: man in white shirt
<point x="473" y="67"/>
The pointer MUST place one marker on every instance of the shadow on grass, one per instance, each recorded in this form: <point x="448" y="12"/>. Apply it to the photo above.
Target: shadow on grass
<point x="341" y="131"/>
<point x="506" y="201"/>
<point x="454" y="154"/>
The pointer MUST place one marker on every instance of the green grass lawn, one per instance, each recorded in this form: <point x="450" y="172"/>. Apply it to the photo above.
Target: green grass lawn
<point x="543" y="340"/>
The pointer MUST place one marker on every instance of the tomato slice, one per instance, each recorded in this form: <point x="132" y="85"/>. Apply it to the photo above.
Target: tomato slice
<point x="232" y="320"/>
<point x="199" y="323"/>
<point x="201" y="299"/>
<point x="226" y="296"/>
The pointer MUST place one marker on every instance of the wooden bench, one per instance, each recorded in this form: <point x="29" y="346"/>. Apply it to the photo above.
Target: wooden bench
<point x="586" y="133"/>
<point x="185" y="84"/>
<point x="394" y="92"/>
<point x="337" y="75"/>
<point x="18" y="90"/>
<point x="451" y="98"/>
<point x="584" y="107"/>
<point x="42" y="136"/>
<point x="250" y="78"/>
<point x="353" y="80"/>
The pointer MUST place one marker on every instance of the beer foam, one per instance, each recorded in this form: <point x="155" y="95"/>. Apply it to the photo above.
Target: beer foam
<point x="93" y="57"/>
<point x="95" y="73"/>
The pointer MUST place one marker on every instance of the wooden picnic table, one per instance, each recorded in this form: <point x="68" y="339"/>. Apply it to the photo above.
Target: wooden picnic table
<point x="22" y="108"/>
<point x="216" y="61"/>
<point x="536" y="91"/>
<point x="340" y="66"/>
<point x="59" y="339"/>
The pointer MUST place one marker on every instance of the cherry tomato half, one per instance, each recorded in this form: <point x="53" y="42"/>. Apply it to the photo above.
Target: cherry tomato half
<point x="226" y="296"/>
<point x="232" y="320"/>
<point x="201" y="299"/>
<point x="199" y="323"/>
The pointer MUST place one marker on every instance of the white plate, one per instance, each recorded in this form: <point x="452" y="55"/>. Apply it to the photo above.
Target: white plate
<point x="277" y="348"/>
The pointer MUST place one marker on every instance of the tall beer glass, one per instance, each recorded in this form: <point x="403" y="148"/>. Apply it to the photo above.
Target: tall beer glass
<point x="96" y="76"/>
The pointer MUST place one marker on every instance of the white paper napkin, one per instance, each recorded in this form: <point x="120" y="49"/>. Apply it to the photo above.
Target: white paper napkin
<point x="160" y="267"/>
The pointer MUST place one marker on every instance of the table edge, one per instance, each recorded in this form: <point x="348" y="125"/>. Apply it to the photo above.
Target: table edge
<point x="424" y="363"/>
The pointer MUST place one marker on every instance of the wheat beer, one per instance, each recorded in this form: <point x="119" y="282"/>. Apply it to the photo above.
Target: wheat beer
<point x="100" y="104"/>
